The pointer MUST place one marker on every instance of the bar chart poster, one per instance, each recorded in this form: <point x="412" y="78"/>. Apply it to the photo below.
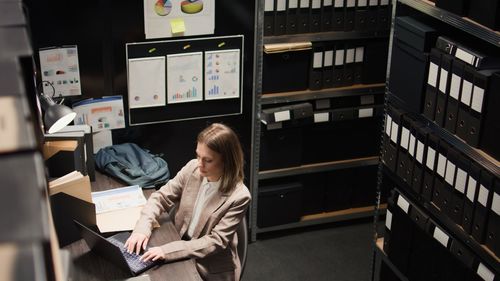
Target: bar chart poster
<point x="184" y="77"/>
<point x="222" y="74"/>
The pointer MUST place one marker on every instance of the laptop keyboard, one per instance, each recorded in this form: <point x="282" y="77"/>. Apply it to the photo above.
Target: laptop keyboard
<point x="133" y="260"/>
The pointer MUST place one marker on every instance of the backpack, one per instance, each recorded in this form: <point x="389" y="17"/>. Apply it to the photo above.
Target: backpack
<point x="133" y="164"/>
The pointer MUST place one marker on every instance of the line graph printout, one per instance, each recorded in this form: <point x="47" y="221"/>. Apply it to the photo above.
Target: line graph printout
<point x="184" y="77"/>
<point x="222" y="74"/>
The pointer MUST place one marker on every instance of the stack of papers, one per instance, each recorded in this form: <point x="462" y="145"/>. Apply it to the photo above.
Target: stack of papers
<point x="74" y="184"/>
<point x="118" y="209"/>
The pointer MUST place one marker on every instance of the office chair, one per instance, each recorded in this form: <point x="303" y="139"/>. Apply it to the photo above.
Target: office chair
<point x="242" y="234"/>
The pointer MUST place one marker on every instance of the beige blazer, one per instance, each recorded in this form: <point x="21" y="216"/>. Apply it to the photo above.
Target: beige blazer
<point x="214" y="242"/>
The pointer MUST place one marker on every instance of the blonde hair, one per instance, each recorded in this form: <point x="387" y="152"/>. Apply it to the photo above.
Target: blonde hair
<point x="223" y="140"/>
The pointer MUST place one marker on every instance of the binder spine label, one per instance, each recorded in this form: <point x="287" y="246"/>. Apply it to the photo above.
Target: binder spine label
<point x="365" y="112"/>
<point x="349" y="58"/>
<point x="433" y="73"/>
<point x="420" y="152"/>
<point x="316" y="4"/>
<point x="485" y="273"/>
<point x="269" y="5"/>
<point x="443" y="80"/>
<point x="280" y="5"/>
<point x="339" y="3"/>
<point x="360" y="52"/>
<point x="318" y="60"/>
<point x="441" y="167"/>
<point x="403" y="204"/>
<point x="405" y="137"/>
<point x="328" y="58"/>
<point x="321" y="117"/>
<point x="466" y="92"/>
<point x="477" y="99"/>
<point x="293" y="4"/>
<point x="450" y="173"/>
<point x="483" y="195"/>
<point x="495" y="206"/>
<point x="304" y="3"/>
<point x="282" y="116"/>
<point x="460" y="181"/>
<point x="471" y="189"/>
<point x="431" y="155"/>
<point x="465" y="56"/>
<point x="411" y="147"/>
<point x="441" y="237"/>
<point x="455" y="86"/>
<point x="388" y="219"/>
<point x="394" y="132"/>
<point x="388" y="125"/>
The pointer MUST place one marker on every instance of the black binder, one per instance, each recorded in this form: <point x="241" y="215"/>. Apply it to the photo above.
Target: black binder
<point x="269" y="17"/>
<point x="463" y="118"/>
<point x="420" y="134"/>
<point x="316" y="69"/>
<point x="358" y="64"/>
<point x="401" y="234"/>
<point x="493" y="225"/>
<point x="483" y="204"/>
<point x="280" y="17"/>
<point x="304" y="16"/>
<point x="402" y="168"/>
<point x="350" y="52"/>
<point x="339" y="62"/>
<point x="430" y="166"/>
<point x="338" y="15"/>
<point x="362" y="16"/>
<point x="375" y="61"/>
<point x="441" y="192"/>
<point x="443" y="89"/>
<point x="432" y="84"/>
<point x="326" y="15"/>
<point x="384" y="15"/>
<point x="471" y="197"/>
<point x="450" y="122"/>
<point x="372" y="15"/>
<point x="491" y="119"/>
<point x="328" y="61"/>
<point x="349" y="14"/>
<point x="292" y="16"/>
<point x="316" y="16"/>
<point x="458" y="201"/>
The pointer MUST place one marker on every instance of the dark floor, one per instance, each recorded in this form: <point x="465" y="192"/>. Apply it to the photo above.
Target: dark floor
<point x="339" y="252"/>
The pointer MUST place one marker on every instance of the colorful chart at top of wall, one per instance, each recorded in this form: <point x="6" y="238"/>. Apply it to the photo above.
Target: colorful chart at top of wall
<point x="163" y="7"/>
<point x="191" y="6"/>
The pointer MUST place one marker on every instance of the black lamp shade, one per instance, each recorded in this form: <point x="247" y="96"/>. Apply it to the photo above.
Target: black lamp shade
<point x="57" y="117"/>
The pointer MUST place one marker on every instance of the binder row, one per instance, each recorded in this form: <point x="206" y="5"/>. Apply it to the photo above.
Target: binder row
<point x="330" y="64"/>
<point x="422" y="250"/>
<point x="298" y="134"/>
<point x="304" y="16"/>
<point x="437" y="173"/>
<point x="462" y="98"/>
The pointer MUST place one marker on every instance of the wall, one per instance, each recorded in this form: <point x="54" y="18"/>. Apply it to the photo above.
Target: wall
<point x="101" y="29"/>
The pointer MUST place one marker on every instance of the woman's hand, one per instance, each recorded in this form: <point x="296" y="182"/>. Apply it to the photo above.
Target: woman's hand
<point x="153" y="253"/>
<point x="136" y="241"/>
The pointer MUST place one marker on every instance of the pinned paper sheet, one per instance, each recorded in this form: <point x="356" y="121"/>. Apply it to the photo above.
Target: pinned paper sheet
<point x="178" y="27"/>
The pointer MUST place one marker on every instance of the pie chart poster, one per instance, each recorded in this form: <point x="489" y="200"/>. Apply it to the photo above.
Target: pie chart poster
<point x="170" y="18"/>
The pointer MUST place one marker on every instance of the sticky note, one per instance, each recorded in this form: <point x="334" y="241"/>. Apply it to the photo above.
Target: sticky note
<point x="177" y="26"/>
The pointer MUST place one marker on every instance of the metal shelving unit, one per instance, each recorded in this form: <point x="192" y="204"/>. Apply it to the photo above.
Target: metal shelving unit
<point x="297" y="96"/>
<point x="488" y="36"/>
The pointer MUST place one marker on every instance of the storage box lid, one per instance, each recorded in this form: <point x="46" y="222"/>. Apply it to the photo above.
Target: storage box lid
<point x="415" y="33"/>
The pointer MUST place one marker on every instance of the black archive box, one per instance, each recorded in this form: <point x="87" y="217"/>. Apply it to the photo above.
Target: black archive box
<point x="459" y="7"/>
<point x="375" y="61"/>
<point x="280" y="148"/>
<point x="486" y="12"/>
<point x="339" y="189"/>
<point x="286" y="71"/>
<point x="279" y="204"/>
<point x="412" y="42"/>
<point x="313" y="193"/>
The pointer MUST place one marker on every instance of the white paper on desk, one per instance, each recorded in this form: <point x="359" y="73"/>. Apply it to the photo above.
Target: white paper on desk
<point x="118" y="220"/>
<point x="118" y="198"/>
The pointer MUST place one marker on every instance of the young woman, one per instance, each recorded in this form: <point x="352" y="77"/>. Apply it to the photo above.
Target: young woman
<point x="211" y="200"/>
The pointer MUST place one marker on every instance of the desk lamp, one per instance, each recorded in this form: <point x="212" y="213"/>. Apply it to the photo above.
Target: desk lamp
<point x="57" y="116"/>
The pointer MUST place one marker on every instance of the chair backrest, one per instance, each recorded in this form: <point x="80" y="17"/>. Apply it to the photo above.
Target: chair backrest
<point x="242" y="234"/>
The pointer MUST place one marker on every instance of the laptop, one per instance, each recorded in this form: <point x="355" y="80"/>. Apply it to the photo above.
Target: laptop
<point x="113" y="249"/>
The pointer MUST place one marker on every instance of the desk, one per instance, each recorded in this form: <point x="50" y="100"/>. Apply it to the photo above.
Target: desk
<point x="89" y="266"/>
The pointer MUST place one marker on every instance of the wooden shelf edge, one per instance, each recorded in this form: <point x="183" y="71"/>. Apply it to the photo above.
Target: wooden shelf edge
<point x="319" y="167"/>
<point x="319" y="93"/>
<point x="349" y="211"/>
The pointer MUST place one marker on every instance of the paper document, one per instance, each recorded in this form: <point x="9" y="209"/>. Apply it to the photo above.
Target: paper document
<point x="118" y="198"/>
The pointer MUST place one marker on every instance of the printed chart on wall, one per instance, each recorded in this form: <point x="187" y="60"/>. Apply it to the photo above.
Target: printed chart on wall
<point x="167" y="18"/>
<point x="184" y="77"/>
<point x="222" y="74"/>
<point x="146" y="82"/>
<point x="60" y="71"/>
